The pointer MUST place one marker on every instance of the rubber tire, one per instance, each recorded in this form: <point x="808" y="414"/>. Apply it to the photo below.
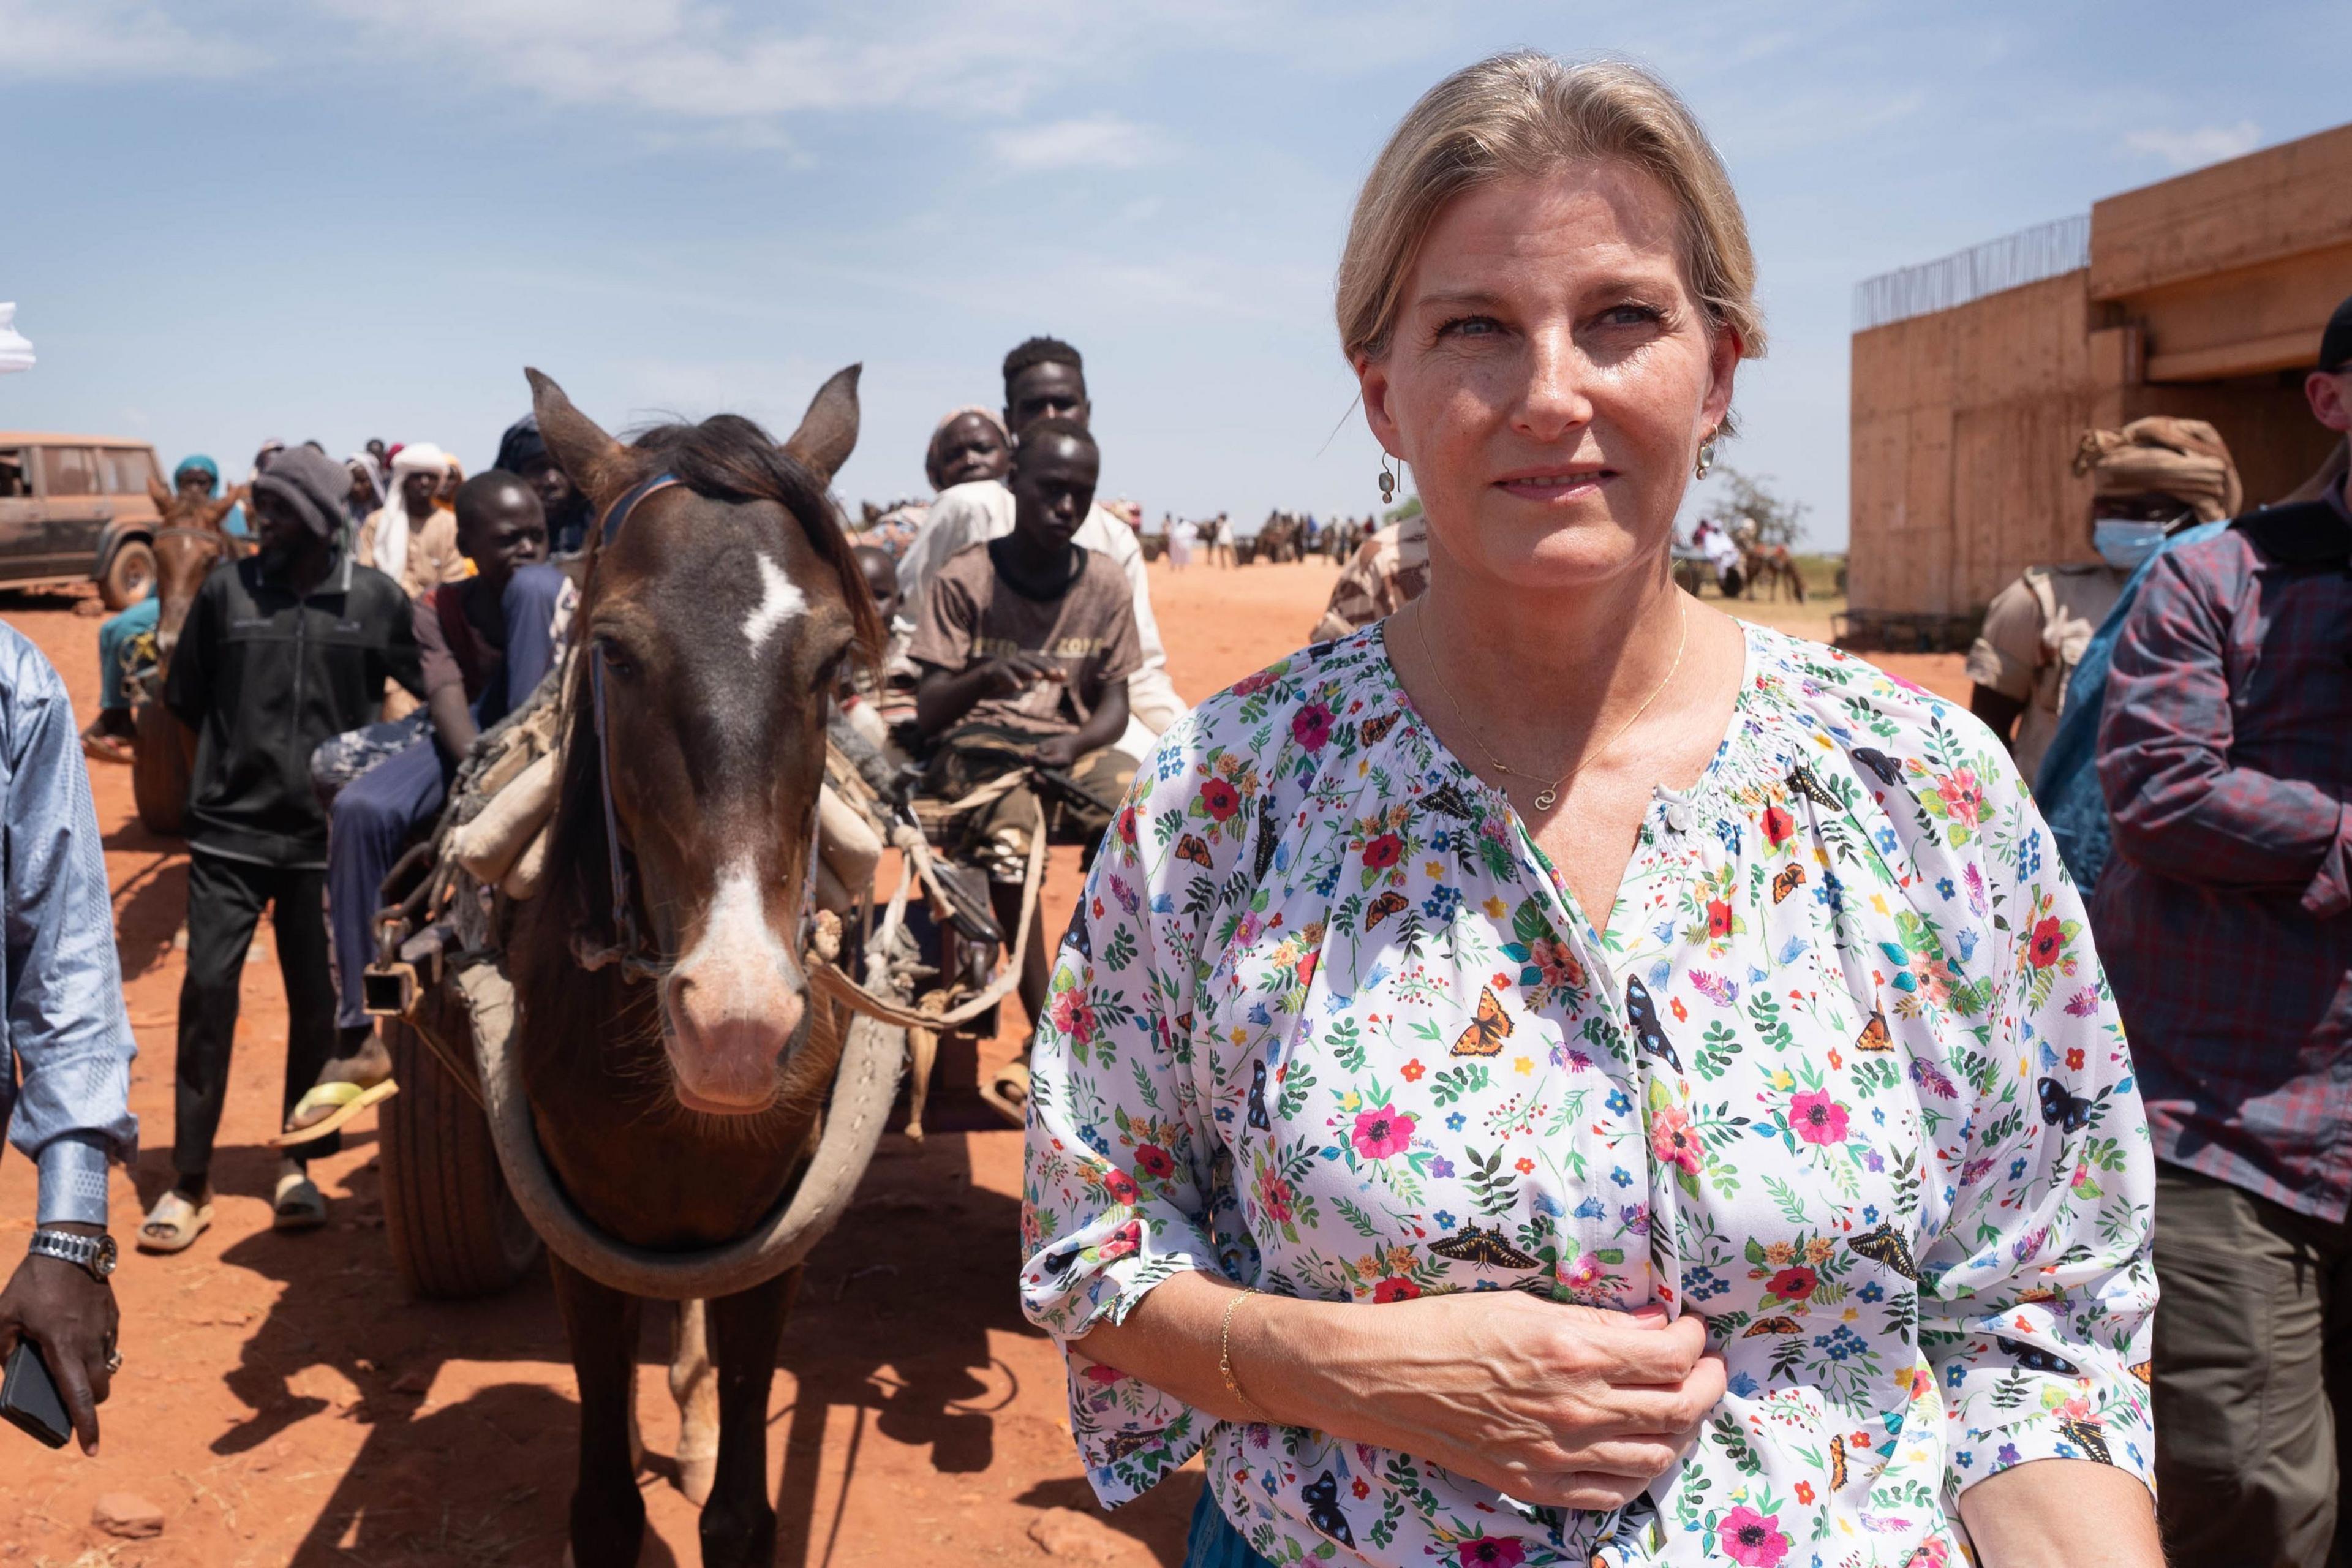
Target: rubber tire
<point x="162" y="754"/>
<point x="456" y="1231"/>
<point x="130" y="576"/>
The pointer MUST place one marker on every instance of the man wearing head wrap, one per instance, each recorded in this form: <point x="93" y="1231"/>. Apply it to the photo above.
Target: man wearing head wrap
<point x="1043" y="378"/>
<point x="285" y="648"/>
<point x="410" y="539"/>
<point x="2153" y="477"/>
<point x="522" y="450"/>
<point x="2225" y="924"/>
<point x="108" y="739"/>
<point x="365" y="496"/>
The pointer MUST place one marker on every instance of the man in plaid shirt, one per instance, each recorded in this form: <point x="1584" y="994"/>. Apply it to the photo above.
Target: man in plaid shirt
<point x="2225" y="755"/>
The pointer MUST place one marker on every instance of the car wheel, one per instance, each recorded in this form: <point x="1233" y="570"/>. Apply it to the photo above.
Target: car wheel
<point x="130" y="575"/>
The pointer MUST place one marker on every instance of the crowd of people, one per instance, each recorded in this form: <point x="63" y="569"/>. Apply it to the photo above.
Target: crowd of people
<point x="1767" y="1104"/>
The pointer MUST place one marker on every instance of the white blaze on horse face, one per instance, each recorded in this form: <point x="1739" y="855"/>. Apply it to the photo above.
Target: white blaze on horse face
<point x="734" y="1001"/>
<point x="780" y="604"/>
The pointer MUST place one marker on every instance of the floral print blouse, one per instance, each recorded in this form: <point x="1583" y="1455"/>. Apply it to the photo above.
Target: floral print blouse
<point x="1840" y="1075"/>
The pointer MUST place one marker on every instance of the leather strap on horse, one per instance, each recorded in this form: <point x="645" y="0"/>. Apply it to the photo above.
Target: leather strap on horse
<point x="828" y="980"/>
<point x="863" y="1088"/>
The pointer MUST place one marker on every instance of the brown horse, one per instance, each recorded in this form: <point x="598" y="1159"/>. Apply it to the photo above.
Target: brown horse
<point x="1770" y="568"/>
<point x="189" y="542"/>
<point x="673" y="1056"/>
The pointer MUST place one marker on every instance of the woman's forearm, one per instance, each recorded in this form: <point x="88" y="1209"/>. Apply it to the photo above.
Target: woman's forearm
<point x="2062" y="1513"/>
<point x="1172" y="1339"/>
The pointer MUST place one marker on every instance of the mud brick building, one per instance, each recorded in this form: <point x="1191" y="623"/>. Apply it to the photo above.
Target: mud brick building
<point x="1973" y="376"/>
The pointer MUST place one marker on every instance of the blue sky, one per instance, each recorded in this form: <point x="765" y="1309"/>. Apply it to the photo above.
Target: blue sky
<point x="227" y="219"/>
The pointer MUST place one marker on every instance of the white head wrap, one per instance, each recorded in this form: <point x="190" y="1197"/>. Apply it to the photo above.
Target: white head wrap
<point x="392" y="533"/>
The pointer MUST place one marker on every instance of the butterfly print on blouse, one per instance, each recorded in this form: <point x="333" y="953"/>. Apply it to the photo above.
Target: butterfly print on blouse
<point x="1389" y="903"/>
<point x="2034" y="1358"/>
<point x="1487" y="1030"/>
<point x="1265" y="835"/>
<point x="1322" y="1496"/>
<point x="1887" y="769"/>
<point x="1778" y="1324"/>
<point x="1448" y="801"/>
<point x="1648" y="1033"/>
<point x="1257" y="1116"/>
<point x="1801" y="780"/>
<point x="2089" y="1438"/>
<point x="1791" y="879"/>
<point x="2061" y="1109"/>
<point x="1485" y="1247"/>
<point x="1375" y="730"/>
<point x="1193" y="847"/>
<point x="1873" y="1036"/>
<point x="1882" y="1244"/>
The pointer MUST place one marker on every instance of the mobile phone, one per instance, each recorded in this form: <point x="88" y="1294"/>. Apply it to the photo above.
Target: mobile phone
<point x="29" y="1397"/>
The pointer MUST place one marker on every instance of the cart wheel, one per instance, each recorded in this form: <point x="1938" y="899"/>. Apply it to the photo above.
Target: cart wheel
<point x="128" y="575"/>
<point x="160" y="758"/>
<point x="455" y="1229"/>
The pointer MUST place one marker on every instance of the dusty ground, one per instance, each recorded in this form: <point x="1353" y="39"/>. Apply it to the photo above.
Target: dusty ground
<point x="282" y="1404"/>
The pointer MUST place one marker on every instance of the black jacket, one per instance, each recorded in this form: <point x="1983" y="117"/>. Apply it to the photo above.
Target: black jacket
<point x="263" y="677"/>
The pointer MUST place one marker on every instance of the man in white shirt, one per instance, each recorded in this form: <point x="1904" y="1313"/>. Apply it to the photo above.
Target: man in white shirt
<point x="1044" y="377"/>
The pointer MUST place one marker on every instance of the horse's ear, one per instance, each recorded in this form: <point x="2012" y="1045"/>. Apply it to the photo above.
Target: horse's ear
<point x="216" y="509"/>
<point x="162" y="498"/>
<point x="591" y="458"/>
<point x="828" y="432"/>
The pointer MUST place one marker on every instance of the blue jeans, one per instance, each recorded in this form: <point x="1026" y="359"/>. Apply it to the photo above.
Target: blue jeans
<point x="1214" y="1542"/>
<point x="113" y="634"/>
<point x="374" y="814"/>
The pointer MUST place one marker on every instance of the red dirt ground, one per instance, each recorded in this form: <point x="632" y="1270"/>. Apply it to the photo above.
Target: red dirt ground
<point x="282" y="1403"/>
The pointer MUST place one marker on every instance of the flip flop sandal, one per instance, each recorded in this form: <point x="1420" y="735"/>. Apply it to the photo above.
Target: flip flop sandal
<point x="1008" y="1092"/>
<point x="331" y="1105"/>
<point x="173" y="1223"/>
<point x="106" y="749"/>
<point x="298" y="1203"/>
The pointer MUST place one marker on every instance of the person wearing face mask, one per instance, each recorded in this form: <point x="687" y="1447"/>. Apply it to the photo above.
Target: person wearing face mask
<point x="2153" y="475"/>
<point x="2225" y="917"/>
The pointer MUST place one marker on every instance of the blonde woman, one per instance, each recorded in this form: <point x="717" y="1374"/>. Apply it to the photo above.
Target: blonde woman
<point x="1559" y="1076"/>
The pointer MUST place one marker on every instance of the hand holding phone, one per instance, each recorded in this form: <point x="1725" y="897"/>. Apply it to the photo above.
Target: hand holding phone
<point x="29" y="1400"/>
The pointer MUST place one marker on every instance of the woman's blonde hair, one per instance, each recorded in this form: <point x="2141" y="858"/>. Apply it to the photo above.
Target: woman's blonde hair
<point x="1525" y="115"/>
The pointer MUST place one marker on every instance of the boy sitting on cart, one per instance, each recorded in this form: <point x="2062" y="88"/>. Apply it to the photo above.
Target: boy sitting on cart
<point x="1025" y="644"/>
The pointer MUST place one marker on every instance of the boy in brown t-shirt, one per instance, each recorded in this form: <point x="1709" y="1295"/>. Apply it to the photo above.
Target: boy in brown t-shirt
<point x="1025" y="644"/>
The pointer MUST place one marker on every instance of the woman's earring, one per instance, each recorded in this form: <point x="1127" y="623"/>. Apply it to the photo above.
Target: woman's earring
<point x="1388" y="481"/>
<point x="1706" y="459"/>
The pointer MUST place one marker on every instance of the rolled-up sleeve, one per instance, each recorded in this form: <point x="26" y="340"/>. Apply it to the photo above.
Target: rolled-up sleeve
<point x="2178" y="802"/>
<point x="2038" y="1292"/>
<point x="1121" y="1190"/>
<point x="67" y="1029"/>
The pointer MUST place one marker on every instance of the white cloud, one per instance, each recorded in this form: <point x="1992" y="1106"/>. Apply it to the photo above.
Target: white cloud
<point x="1098" y="141"/>
<point x="86" y="38"/>
<point x="2195" y="149"/>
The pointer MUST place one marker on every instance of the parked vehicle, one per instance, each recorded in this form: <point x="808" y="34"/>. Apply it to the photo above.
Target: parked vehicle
<point x="77" y="509"/>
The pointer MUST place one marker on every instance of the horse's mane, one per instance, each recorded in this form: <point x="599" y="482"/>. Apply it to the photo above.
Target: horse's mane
<point x="725" y="457"/>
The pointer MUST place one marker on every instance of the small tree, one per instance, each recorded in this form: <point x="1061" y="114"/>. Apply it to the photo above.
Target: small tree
<point x="1409" y="506"/>
<point x="1778" y="522"/>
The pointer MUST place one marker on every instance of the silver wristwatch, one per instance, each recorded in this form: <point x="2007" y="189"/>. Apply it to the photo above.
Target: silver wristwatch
<point x="95" y="1253"/>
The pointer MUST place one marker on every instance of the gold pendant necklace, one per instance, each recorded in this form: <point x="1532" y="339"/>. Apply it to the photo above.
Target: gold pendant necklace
<point x="1548" y="795"/>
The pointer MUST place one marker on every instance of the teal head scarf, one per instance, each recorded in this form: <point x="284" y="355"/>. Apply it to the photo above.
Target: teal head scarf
<point x="201" y="464"/>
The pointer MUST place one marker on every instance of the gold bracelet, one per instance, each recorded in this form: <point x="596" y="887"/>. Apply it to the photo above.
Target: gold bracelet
<point x="1225" y="1356"/>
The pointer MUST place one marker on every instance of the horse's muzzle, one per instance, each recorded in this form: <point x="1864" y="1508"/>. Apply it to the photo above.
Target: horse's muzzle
<point x="735" y="1006"/>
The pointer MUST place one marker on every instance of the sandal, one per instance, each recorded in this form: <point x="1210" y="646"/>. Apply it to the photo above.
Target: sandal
<point x="327" y="1106"/>
<point x="298" y="1203"/>
<point x="106" y="748"/>
<point x="175" y="1223"/>
<point x="1008" y="1092"/>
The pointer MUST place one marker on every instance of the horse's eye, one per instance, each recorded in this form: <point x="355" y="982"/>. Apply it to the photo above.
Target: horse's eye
<point x="617" y="660"/>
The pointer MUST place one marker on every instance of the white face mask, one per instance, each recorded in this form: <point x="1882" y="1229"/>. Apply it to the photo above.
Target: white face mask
<point x="2125" y="543"/>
